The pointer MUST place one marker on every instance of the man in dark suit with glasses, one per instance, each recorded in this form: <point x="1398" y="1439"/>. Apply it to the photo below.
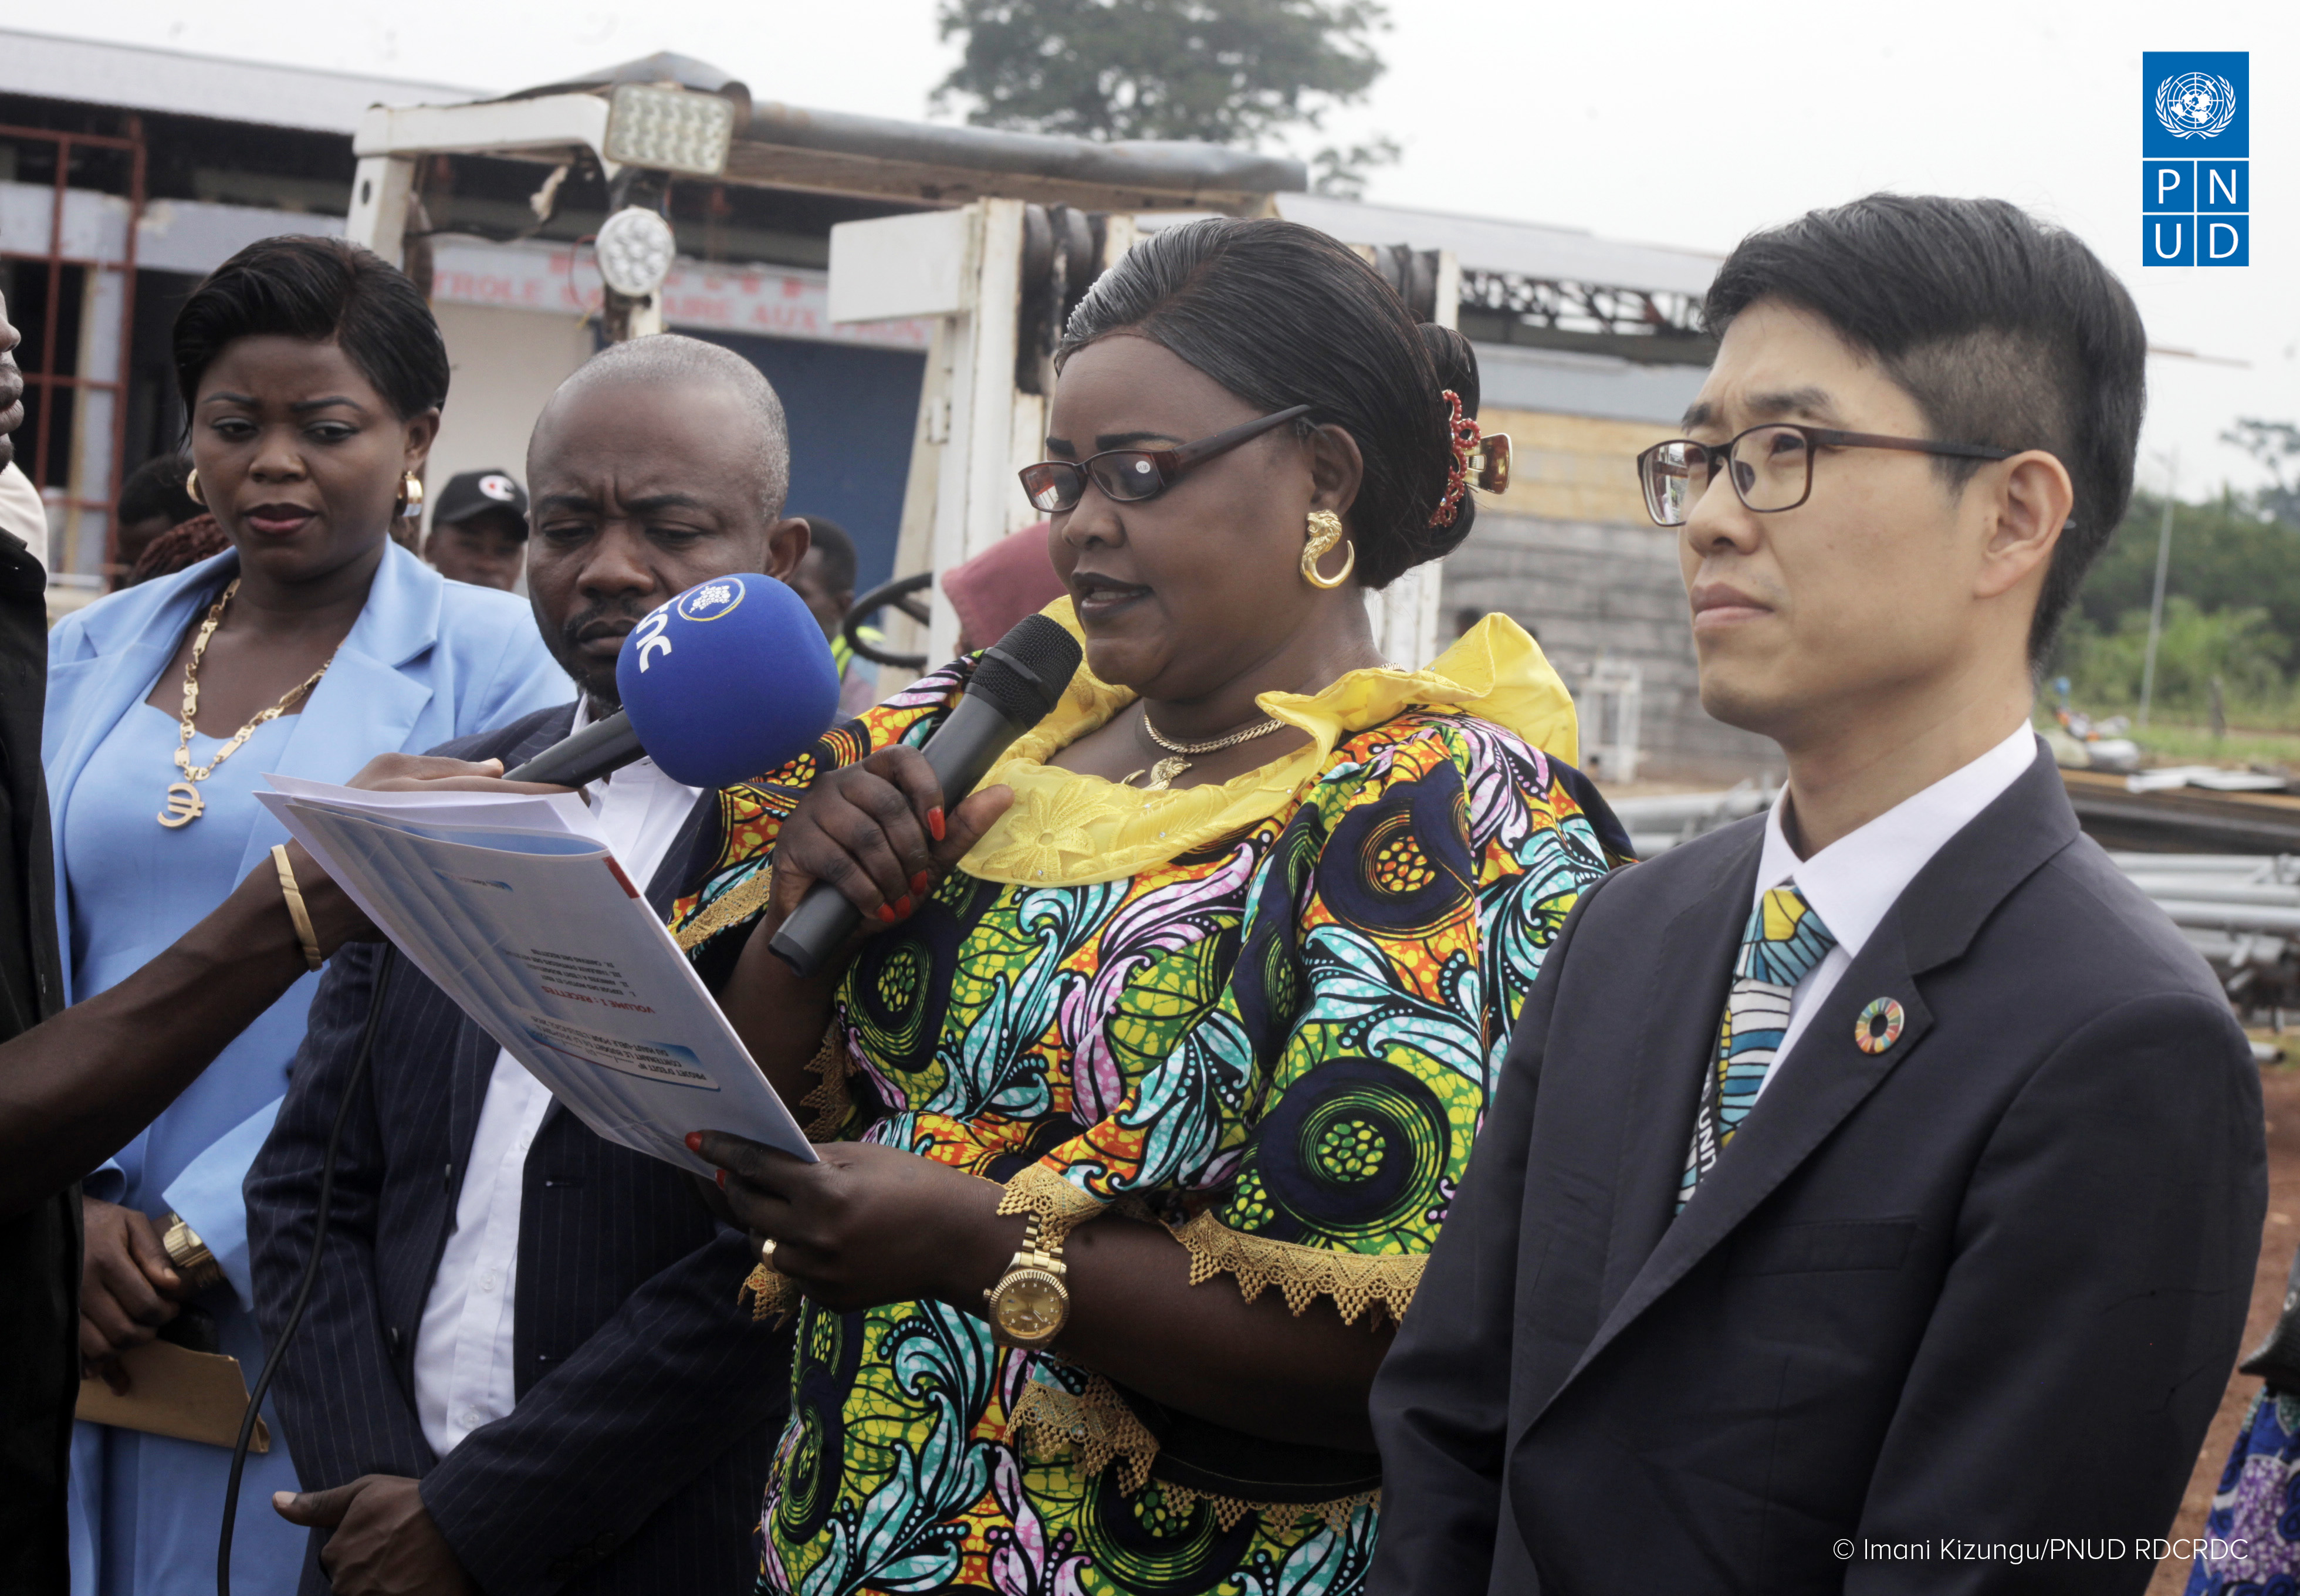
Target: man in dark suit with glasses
<point x="1874" y="1188"/>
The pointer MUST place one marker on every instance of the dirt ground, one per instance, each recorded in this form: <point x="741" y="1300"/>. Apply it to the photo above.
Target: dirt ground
<point x="2280" y="1093"/>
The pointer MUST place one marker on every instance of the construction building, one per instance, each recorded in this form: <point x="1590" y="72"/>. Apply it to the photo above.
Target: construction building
<point x="126" y="172"/>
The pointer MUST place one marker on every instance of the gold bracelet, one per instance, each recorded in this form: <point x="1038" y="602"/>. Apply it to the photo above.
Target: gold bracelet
<point x="297" y="912"/>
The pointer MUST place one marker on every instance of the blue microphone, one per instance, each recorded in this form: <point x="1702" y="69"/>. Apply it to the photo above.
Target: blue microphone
<point x="730" y="679"/>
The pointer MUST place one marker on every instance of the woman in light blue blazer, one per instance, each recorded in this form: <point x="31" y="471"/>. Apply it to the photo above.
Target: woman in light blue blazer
<point x="314" y="374"/>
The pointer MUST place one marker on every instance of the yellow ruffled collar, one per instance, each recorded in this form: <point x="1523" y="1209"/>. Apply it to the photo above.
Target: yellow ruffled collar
<point x="1066" y="829"/>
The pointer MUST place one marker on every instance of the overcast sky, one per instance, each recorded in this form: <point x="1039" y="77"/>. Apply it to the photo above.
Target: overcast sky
<point x="1665" y="122"/>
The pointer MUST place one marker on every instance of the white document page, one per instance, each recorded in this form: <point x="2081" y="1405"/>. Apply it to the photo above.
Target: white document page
<point x="516" y="909"/>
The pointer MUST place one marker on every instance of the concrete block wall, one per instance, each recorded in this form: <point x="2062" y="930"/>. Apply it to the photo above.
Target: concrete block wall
<point x="1570" y="553"/>
<point x="1589" y="588"/>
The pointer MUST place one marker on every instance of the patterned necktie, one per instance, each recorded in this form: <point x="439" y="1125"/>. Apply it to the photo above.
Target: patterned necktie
<point x="1784" y="941"/>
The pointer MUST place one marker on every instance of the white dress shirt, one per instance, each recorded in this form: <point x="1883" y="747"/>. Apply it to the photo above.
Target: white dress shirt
<point x="24" y="511"/>
<point x="1855" y="881"/>
<point x="463" y="1375"/>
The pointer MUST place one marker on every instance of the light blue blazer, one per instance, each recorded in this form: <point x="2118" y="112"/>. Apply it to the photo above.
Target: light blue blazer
<point x="427" y="661"/>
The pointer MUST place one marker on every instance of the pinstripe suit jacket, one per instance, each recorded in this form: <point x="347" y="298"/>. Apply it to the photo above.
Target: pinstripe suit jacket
<point x="649" y="1403"/>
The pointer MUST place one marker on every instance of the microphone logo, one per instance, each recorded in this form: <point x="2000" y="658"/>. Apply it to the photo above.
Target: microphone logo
<point x="705" y="601"/>
<point x="649" y="638"/>
<point x="708" y="601"/>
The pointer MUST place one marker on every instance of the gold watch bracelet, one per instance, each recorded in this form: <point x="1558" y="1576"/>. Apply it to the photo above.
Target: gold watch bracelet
<point x="1052" y="1208"/>
<point x="190" y="1255"/>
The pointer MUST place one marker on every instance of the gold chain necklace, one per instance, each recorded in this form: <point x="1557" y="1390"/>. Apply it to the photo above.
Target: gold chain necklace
<point x="1163" y="774"/>
<point x="184" y="804"/>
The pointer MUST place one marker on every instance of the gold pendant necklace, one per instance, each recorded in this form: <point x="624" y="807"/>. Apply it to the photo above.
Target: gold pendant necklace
<point x="1163" y="774"/>
<point x="184" y="804"/>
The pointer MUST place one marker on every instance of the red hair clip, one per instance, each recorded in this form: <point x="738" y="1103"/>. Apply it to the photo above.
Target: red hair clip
<point x="1462" y="432"/>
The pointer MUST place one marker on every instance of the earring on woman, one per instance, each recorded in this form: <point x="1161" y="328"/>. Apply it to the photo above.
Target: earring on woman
<point x="1325" y="531"/>
<point x="192" y="488"/>
<point x="411" y="496"/>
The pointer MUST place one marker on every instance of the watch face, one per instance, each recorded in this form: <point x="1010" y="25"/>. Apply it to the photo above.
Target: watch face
<point x="1031" y="1305"/>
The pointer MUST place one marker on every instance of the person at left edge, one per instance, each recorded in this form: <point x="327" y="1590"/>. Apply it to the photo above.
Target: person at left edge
<point x="76" y="1083"/>
<point x="526" y="1367"/>
<point x="314" y="374"/>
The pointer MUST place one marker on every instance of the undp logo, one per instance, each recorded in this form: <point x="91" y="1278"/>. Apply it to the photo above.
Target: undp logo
<point x="711" y="599"/>
<point x="2195" y="102"/>
<point x="2195" y="167"/>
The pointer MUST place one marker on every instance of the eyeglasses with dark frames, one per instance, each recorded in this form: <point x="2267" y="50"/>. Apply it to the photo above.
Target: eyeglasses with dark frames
<point x="1772" y="465"/>
<point x="1131" y="475"/>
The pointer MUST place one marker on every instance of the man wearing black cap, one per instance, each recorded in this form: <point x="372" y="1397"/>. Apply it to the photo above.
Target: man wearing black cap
<point x="479" y="532"/>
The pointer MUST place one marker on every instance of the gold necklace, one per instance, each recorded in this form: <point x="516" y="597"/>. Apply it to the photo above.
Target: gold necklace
<point x="184" y="804"/>
<point x="1163" y="774"/>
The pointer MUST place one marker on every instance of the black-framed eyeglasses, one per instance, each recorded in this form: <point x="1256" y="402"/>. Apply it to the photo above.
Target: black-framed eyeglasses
<point x="1772" y="465"/>
<point x="1128" y="475"/>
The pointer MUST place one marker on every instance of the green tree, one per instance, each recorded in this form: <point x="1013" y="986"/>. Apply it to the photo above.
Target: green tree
<point x="2237" y="646"/>
<point x="2232" y="593"/>
<point x="2226" y="553"/>
<point x="1225" y="71"/>
<point x="2276" y="445"/>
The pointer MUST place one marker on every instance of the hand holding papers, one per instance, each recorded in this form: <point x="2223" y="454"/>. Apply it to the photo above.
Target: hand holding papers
<point x="514" y="906"/>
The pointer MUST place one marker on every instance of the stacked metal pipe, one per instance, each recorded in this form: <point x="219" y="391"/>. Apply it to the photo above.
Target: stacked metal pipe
<point x="1659" y="823"/>
<point x="2241" y="911"/>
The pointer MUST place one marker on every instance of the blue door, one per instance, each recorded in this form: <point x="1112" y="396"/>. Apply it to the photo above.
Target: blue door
<point x="851" y="411"/>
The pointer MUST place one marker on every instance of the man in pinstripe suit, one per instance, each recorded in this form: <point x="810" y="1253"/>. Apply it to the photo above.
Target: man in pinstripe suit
<point x="524" y="1369"/>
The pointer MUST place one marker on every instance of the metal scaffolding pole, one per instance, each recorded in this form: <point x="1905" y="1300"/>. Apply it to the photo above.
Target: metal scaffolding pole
<point x="2157" y="600"/>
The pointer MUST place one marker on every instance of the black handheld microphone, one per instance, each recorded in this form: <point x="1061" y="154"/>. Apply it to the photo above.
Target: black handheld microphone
<point x="600" y="750"/>
<point x="1016" y="686"/>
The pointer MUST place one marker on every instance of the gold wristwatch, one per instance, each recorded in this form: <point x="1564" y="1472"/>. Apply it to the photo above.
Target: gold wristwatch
<point x="1031" y="1303"/>
<point x="190" y="1255"/>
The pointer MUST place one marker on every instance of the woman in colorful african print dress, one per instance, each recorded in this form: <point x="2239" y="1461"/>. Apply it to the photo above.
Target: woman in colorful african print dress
<point x="1203" y="992"/>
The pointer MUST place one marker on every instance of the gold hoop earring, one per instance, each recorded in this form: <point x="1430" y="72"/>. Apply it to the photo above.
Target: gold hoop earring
<point x="192" y="488"/>
<point x="411" y="496"/>
<point x="1325" y="531"/>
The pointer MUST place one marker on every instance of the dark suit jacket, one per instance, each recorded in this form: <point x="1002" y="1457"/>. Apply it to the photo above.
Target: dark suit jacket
<point x="1985" y="1286"/>
<point x="649" y="1402"/>
<point x="39" y="1248"/>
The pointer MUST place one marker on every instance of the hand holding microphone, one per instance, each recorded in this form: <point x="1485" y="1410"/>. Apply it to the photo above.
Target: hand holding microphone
<point x="724" y="682"/>
<point x="733" y="678"/>
<point x="873" y="837"/>
<point x="863" y="852"/>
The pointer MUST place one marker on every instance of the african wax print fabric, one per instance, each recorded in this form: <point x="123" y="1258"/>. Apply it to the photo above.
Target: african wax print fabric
<point x="2251" y="1542"/>
<point x="1278" y="1035"/>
